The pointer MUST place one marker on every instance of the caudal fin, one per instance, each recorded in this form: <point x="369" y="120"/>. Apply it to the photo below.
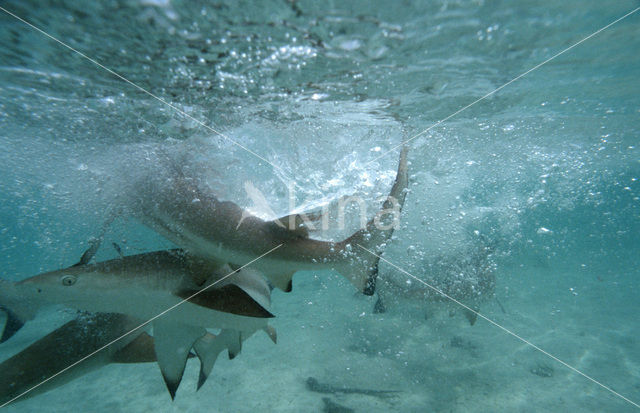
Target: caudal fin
<point x="18" y="310"/>
<point x="11" y="325"/>
<point x="369" y="243"/>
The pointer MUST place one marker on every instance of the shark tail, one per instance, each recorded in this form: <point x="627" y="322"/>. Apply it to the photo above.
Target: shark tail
<point x="11" y="326"/>
<point x="17" y="310"/>
<point x="369" y="243"/>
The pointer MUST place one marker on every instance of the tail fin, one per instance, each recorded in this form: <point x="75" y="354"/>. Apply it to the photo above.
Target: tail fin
<point x="369" y="243"/>
<point x="11" y="325"/>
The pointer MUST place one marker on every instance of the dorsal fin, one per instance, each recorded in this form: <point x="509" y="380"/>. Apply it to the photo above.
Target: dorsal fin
<point x="94" y="244"/>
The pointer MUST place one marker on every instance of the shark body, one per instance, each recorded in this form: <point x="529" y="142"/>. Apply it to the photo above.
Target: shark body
<point x="220" y="230"/>
<point x="49" y="358"/>
<point x="217" y="237"/>
<point x="143" y="287"/>
<point x="44" y="359"/>
<point x="468" y="278"/>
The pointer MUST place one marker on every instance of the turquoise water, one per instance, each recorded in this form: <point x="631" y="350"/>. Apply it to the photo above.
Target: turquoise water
<point x="546" y="170"/>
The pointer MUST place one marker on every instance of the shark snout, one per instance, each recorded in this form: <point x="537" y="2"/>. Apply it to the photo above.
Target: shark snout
<point x="45" y="286"/>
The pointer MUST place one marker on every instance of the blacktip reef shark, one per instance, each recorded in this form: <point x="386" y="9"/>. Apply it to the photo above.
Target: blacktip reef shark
<point x="468" y="277"/>
<point x="49" y="358"/>
<point x="222" y="231"/>
<point x="144" y="286"/>
<point x="66" y="345"/>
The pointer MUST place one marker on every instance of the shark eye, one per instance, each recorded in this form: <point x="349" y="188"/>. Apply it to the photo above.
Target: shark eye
<point x="68" y="280"/>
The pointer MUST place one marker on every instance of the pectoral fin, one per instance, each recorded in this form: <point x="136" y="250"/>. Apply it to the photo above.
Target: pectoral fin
<point x="172" y="344"/>
<point x="251" y="282"/>
<point x="229" y="299"/>
<point x="233" y="340"/>
<point x="271" y="332"/>
<point x="207" y="349"/>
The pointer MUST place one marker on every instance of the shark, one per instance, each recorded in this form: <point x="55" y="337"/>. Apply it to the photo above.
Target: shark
<point x="49" y="358"/>
<point x="143" y="287"/>
<point x="469" y="278"/>
<point x="53" y="353"/>
<point x="222" y="231"/>
<point x="216" y="238"/>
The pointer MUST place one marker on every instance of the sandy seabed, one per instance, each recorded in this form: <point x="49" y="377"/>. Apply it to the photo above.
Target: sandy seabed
<point x="440" y="364"/>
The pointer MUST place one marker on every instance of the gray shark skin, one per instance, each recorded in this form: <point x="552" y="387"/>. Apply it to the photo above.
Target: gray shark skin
<point x="144" y="286"/>
<point x="68" y="344"/>
<point x="217" y="230"/>
<point x="469" y="279"/>
<point x="22" y="374"/>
